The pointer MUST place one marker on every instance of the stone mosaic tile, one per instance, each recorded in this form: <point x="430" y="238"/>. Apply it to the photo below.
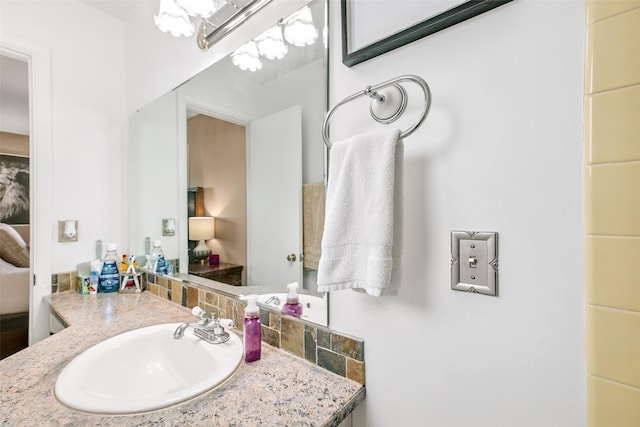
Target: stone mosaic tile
<point x="275" y="320"/>
<point x="347" y="346"/>
<point x="310" y="335"/>
<point x="355" y="371"/>
<point x="64" y="282"/>
<point x="228" y="308"/>
<point x="176" y="292"/>
<point x="163" y="281"/>
<point x="324" y="338"/>
<point x="331" y="361"/>
<point x="271" y="336"/>
<point x="211" y="298"/>
<point x="265" y="317"/>
<point x="192" y="296"/>
<point x="292" y="336"/>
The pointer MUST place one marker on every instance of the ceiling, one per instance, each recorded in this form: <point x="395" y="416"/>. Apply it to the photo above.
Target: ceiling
<point x="119" y="9"/>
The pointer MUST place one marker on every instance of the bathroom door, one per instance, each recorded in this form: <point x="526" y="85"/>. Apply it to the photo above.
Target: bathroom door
<point x="274" y="192"/>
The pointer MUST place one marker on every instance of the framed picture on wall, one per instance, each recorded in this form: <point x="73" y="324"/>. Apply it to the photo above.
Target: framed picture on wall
<point x="14" y="189"/>
<point x="371" y="28"/>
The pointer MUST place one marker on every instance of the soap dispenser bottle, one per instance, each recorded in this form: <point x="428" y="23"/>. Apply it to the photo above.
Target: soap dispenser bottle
<point x="109" y="279"/>
<point x="157" y="258"/>
<point x="252" y="330"/>
<point x="292" y="306"/>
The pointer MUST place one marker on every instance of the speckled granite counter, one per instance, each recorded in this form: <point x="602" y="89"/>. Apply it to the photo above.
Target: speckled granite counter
<point x="279" y="390"/>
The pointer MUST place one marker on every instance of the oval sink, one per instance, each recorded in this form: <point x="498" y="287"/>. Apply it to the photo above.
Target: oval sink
<point x="145" y="369"/>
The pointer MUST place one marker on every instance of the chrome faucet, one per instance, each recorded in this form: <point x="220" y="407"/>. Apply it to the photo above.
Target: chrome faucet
<point x="211" y="330"/>
<point x="196" y="311"/>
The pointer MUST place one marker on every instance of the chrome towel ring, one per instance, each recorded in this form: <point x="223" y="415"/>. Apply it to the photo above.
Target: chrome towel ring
<point x="389" y="100"/>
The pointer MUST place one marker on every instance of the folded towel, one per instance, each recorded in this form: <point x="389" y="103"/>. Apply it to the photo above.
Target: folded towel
<point x="312" y="223"/>
<point x="361" y="244"/>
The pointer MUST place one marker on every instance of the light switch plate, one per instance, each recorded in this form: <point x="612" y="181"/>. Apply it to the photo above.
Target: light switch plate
<point x="474" y="262"/>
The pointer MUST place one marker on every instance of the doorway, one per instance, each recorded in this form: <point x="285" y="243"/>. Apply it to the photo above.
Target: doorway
<point x="15" y="203"/>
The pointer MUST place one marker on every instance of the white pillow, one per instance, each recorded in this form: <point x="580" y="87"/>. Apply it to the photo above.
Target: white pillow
<point x="13" y="248"/>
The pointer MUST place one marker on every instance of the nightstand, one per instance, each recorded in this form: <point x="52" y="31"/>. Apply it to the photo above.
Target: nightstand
<point x="230" y="274"/>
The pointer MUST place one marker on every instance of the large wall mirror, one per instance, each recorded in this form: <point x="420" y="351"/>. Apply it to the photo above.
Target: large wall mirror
<point x="250" y="140"/>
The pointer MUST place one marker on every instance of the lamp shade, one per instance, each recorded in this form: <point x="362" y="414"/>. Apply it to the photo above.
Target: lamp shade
<point x="201" y="8"/>
<point x="271" y="45"/>
<point x="202" y="228"/>
<point x="299" y="29"/>
<point x="246" y="57"/>
<point x="172" y="19"/>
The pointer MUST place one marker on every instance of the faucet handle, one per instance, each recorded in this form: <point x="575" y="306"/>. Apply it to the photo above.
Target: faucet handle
<point x="226" y="323"/>
<point x="197" y="311"/>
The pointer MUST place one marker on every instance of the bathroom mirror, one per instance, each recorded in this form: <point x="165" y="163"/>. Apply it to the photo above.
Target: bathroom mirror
<point x="266" y="104"/>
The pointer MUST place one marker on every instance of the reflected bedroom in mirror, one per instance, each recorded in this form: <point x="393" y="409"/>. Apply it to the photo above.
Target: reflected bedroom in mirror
<point x="236" y="155"/>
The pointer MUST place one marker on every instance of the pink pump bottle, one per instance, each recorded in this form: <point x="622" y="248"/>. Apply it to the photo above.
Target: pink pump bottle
<point x="292" y="306"/>
<point x="252" y="330"/>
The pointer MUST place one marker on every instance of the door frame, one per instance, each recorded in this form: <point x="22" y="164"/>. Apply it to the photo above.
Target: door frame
<point x="38" y="59"/>
<point x="191" y="103"/>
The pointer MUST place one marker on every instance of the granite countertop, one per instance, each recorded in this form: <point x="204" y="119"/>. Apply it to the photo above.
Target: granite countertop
<point x="278" y="390"/>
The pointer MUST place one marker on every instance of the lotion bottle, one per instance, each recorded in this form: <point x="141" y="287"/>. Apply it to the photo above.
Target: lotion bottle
<point x="292" y="306"/>
<point x="252" y="330"/>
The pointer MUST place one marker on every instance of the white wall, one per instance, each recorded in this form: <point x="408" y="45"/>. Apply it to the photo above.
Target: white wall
<point x="500" y="151"/>
<point x="87" y="92"/>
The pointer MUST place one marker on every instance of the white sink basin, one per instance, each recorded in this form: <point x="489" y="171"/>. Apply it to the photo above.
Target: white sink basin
<point x="145" y="369"/>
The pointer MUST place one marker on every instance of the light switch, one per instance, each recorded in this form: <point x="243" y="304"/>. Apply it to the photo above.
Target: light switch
<point x="474" y="262"/>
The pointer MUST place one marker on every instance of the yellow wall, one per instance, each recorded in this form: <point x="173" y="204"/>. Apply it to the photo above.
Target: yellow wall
<point x="217" y="162"/>
<point x="612" y="213"/>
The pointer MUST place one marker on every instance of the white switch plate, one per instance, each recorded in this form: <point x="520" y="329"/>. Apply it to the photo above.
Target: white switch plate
<point x="474" y="262"/>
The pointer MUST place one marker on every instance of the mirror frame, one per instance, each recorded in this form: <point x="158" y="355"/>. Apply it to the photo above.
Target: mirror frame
<point x="435" y="23"/>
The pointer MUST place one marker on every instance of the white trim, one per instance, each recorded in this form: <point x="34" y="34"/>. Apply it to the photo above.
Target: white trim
<point x="40" y="135"/>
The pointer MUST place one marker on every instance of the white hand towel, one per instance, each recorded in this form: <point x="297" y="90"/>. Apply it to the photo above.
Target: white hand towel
<point x="362" y="232"/>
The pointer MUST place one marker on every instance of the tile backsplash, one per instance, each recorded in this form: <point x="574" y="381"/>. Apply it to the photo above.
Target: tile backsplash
<point x="331" y="350"/>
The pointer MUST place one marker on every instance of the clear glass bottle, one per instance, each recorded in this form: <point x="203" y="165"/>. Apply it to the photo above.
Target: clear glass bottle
<point x="109" y="280"/>
<point x="252" y="330"/>
<point x="157" y="258"/>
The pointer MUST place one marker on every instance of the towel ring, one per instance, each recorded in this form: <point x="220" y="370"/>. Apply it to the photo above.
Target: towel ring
<point x="389" y="100"/>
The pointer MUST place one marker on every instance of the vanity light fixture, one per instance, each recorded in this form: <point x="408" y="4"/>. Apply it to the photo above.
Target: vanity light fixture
<point x="202" y="228"/>
<point x="298" y="31"/>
